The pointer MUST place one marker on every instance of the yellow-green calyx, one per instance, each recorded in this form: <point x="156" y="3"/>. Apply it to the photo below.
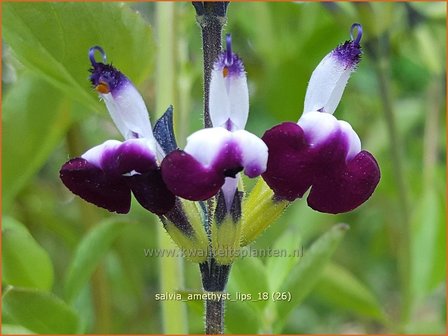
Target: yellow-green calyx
<point x="192" y="240"/>
<point x="260" y="210"/>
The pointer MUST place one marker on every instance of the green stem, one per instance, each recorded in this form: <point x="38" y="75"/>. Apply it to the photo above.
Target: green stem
<point x="431" y="136"/>
<point x="404" y="251"/>
<point x="89" y="217"/>
<point x="174" y="314"/>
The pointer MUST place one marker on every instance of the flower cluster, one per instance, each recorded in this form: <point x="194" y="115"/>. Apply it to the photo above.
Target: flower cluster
<point x="318" y="153"/>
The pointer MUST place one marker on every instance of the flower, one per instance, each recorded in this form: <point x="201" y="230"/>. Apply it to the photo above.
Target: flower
<point x="106" y="174"/>
<point x="321" y="152"/>
<point x="214" y="156"/>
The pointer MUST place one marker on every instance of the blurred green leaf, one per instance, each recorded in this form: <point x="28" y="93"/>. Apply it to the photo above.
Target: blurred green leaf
<point x="40" y="312"/>
<point x="340" y="288"/>
<point x="277" y="269"/>
<point x="36" y="117"/>
<point x="25" y="262"/>
<point x="11" y="329"/>
<point x="248" y="276"/>
<point x="427" y="250"/>
<point x="89" y="253"/>
<point x="305" y="275"/>
<point x="240" y="318"/>
<point x="53" y="39"/>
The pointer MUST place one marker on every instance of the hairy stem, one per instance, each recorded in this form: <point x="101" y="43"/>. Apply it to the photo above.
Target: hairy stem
<point x="211" y="17"/>
<point x="214" y="279"/>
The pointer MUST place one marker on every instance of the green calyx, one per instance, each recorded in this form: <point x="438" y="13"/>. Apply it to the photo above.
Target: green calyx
<point x="260" y="210"/>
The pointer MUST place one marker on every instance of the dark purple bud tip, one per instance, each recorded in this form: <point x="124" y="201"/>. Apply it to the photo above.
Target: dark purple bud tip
<point x="349" y="53"/>
<point x="104" y="77"/>
<point x="228" y="62"/>
<point x="336" y="185"/>
<point x="91" y="183"/>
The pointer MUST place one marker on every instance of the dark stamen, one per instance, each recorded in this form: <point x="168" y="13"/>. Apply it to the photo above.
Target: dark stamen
<point x="359" y="33"/>
<point x="92" y="55"/>
<point x="228" y="60"/>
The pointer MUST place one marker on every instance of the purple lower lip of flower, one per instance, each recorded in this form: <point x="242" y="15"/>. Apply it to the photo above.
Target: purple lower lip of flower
<point x="106" y="175"/>
<point x="187" y="178"/>
<point x="91" y="183"/>
<point x="337" y="185"/>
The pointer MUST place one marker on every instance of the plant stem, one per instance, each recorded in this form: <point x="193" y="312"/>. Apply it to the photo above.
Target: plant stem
<point x="404" y="251"/>
<point x="214" y="315"/>
<point x="211" y="17"/>
<point x="174" y="314"/>
<point x="214" y="279"/>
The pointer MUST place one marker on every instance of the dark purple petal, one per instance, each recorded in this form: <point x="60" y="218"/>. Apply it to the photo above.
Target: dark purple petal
<point x="345" y="189"/>
<point x="151" y="192"/>
<point x="288" y="172"/>
<point x="294" y="166"/>
<point x="187" y="178"/>
<point x="90" y="183"/>
<point x="131" y="155"/>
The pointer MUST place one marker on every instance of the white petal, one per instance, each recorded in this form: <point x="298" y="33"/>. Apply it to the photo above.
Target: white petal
<point x="255" y="153"/>
<point x="330" y="77"/>
<point x="318" y="126"/>
<point x="229" y="97"/>
<point x="205" y="145"/>
<point x="128" y="111"/>
<point x="353" y="139"/>
<point x="95" y="154"/>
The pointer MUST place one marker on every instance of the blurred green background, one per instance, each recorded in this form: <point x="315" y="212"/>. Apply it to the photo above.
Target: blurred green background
<point x="70" y="267"/>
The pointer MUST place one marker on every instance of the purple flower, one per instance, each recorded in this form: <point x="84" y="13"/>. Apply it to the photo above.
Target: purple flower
<point x="321" y="152"/>
<point x="106" y="174"/>
<point x="214" y="156"/>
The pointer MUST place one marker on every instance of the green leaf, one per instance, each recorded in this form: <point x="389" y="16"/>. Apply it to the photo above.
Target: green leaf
<point x="35" y="117"/>
<point x="340" y="288"/>
<point x="240" y="318"/>
<point x="53" y="39"/>
<point x="40" y="312"/>
<point x="305" y="275"/>
<point x="427" y="244"/>
<point x="25" y="262"/>
<point x="89" y="253"/>
<point x="11" y="329"/>
<point x="278" y="269"/>
<point x="248" y="276"/>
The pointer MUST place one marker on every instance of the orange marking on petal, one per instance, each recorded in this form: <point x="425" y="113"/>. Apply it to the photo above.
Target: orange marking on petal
<point x="225" y="71"/>
<point x="102" y="87"/>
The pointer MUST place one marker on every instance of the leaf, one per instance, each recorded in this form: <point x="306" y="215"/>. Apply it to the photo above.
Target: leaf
<point x="25" y="262"/>
<point x="305" y="275"/>
<point x="248" y="276"/>
<point x="40" y="312"/>
<point x="35" y="117"/>
<point x="278" y="269"/>
<point x="53" y="40"/>
<point x="89" y="253"/>
<point x="240" y="318"/>
<point x="427" y="244"/>
<point x="340" y="288"/>
<point x="10" y="329"/>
